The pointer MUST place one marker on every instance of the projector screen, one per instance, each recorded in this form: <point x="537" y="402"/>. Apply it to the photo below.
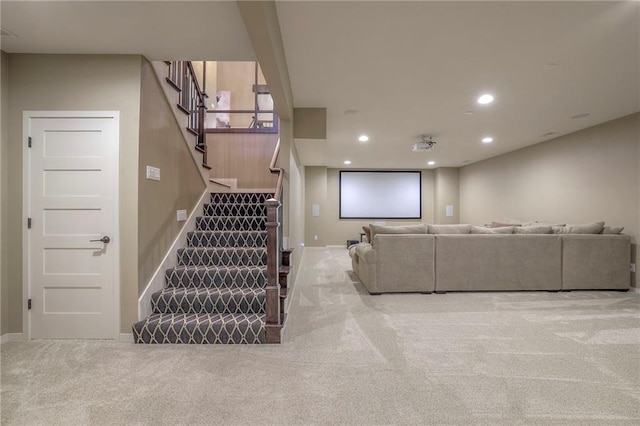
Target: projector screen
<point x="380" y="195"/>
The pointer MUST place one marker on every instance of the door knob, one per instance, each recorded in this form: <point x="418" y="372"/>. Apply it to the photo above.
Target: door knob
<point x="104" y="239"/>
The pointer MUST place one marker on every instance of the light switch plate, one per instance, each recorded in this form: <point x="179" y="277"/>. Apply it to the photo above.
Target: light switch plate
<point x="153" y="173"/>
<point x="181" y="215"/>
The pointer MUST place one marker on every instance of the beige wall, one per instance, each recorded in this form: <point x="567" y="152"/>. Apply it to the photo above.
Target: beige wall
<point x="4" y="132"/>
<point x="586" y="176"/>
<point x="238" y="78"/>
<point x="296" y="228"/>
<point x="292" y="197"/>
<point x="446" y="194"/>
<point x="322" y="187"/>
<point x="242" y="156"/>
<point x="162" y="145"/>
<point x="75" y="82"/>
<point x="315" y="188"/>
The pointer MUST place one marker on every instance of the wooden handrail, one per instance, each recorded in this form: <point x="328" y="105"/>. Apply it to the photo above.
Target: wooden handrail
<point x="191" y="100"/>
<point x="277" y="170"/>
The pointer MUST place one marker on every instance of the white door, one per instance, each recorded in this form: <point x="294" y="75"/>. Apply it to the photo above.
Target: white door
<point x="72" y="178"/>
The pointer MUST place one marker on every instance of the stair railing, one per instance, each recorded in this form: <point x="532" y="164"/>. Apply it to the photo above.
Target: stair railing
<point x="191" y="101"/>
<point x="274" y="306"/>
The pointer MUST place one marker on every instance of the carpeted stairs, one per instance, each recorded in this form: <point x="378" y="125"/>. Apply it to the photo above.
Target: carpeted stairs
<point x="216" y="293"/>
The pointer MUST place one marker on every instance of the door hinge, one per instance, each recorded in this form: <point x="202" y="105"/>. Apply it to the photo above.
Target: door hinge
<point x="29" y="222"/>
<point x="29" y="304"/>
<point x="29" y="140"/>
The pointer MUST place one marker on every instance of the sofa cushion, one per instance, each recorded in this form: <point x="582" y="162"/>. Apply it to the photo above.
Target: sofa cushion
<point x="367" y="233"/>
<point x="612" y="230"/>
<point x="498" y="262"/>
<point x="533" y="229"/>
<point x="503" y="224"/>
<point x="449" y="229"/>
<point x="485" y="230"/>
<point x="419" y="228"/>
<point x="587" y="228"/>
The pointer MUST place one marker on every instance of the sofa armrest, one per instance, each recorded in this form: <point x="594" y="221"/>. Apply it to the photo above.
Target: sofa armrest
<point x="592" y="262"/>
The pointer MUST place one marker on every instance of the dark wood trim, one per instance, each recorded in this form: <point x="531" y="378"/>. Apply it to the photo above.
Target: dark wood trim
<point x="241" y="130"/>
<point x="183" y="109"/>
<point x="241" y="111"/>
<point x="174" y="85"/>
<point x="192" y="131"/>
<point x="273" y="303"/>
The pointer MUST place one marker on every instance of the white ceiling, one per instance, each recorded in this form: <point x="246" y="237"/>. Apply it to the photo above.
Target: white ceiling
<point x="409" y="68"/>
<point x="159" y="30"/>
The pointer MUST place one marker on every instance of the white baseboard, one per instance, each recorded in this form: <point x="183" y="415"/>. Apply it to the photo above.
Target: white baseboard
<point x="12" y="337"/>
<point x="170" y="260"/>
<point x="126" y="338"/>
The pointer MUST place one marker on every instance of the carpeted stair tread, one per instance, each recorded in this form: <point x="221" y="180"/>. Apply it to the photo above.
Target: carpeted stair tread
<point x="216" y="276"/>
<point x="201" y="328"/>
<point x="202" y="256"/>
<point x="227" y="239"/>
<point x="240" y="197"/>
<point x="217" y="292"/>
<point x="235" y="210"/>
<point x="196" y="300"/>
<point x="231" y="223"/>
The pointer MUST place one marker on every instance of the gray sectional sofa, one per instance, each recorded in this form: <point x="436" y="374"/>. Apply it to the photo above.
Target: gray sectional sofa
<point x="427" y="258"/>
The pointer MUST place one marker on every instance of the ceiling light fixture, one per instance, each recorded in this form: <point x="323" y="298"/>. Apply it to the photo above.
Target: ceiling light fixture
<point x="431" y="163"/>
<point x="488" y="139"/>
<point x="363" y="138"/>
<point x="347" y="162"/>
<point x="351" y="111"/>
<point x="485" y="99"/>
<point x="424" y="144"/>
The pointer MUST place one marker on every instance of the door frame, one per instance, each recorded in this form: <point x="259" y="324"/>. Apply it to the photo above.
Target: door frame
<point x="26" y="210"/>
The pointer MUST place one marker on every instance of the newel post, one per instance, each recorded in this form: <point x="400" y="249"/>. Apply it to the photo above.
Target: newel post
<point x="273" y="325"/>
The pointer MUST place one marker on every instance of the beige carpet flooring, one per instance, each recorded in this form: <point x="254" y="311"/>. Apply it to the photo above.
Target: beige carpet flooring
<point x="526" y="358"/>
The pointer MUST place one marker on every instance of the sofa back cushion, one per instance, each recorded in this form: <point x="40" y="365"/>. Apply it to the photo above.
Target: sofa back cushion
<point x="587" y="228"/>
<point x="485" y="230"/>
<point x="419" y="228"/>
<point x="449" y="229"/>
<point x="533" y="229"/>
<point x="612" y="230"/>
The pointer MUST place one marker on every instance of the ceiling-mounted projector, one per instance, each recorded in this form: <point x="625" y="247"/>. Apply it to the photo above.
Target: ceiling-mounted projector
<point x="425" y="144"/>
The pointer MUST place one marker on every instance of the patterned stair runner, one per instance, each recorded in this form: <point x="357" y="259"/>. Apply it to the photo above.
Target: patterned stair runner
<point x="216" y="294"/>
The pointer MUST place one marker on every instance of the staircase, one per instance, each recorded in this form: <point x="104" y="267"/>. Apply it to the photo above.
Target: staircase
<point x="217" y="293"/>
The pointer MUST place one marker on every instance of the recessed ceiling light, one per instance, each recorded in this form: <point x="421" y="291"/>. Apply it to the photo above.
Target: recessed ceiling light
<point x="431" y="163"/>
<point x="351" y="112"/>
<point x="347" y="162"/>
<point x="583" y="115"/>
<point x="363" y="138"/>
<point x="469" y="112"/>
<point x="485" y="99"/>
<point x="488" y="139"/>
